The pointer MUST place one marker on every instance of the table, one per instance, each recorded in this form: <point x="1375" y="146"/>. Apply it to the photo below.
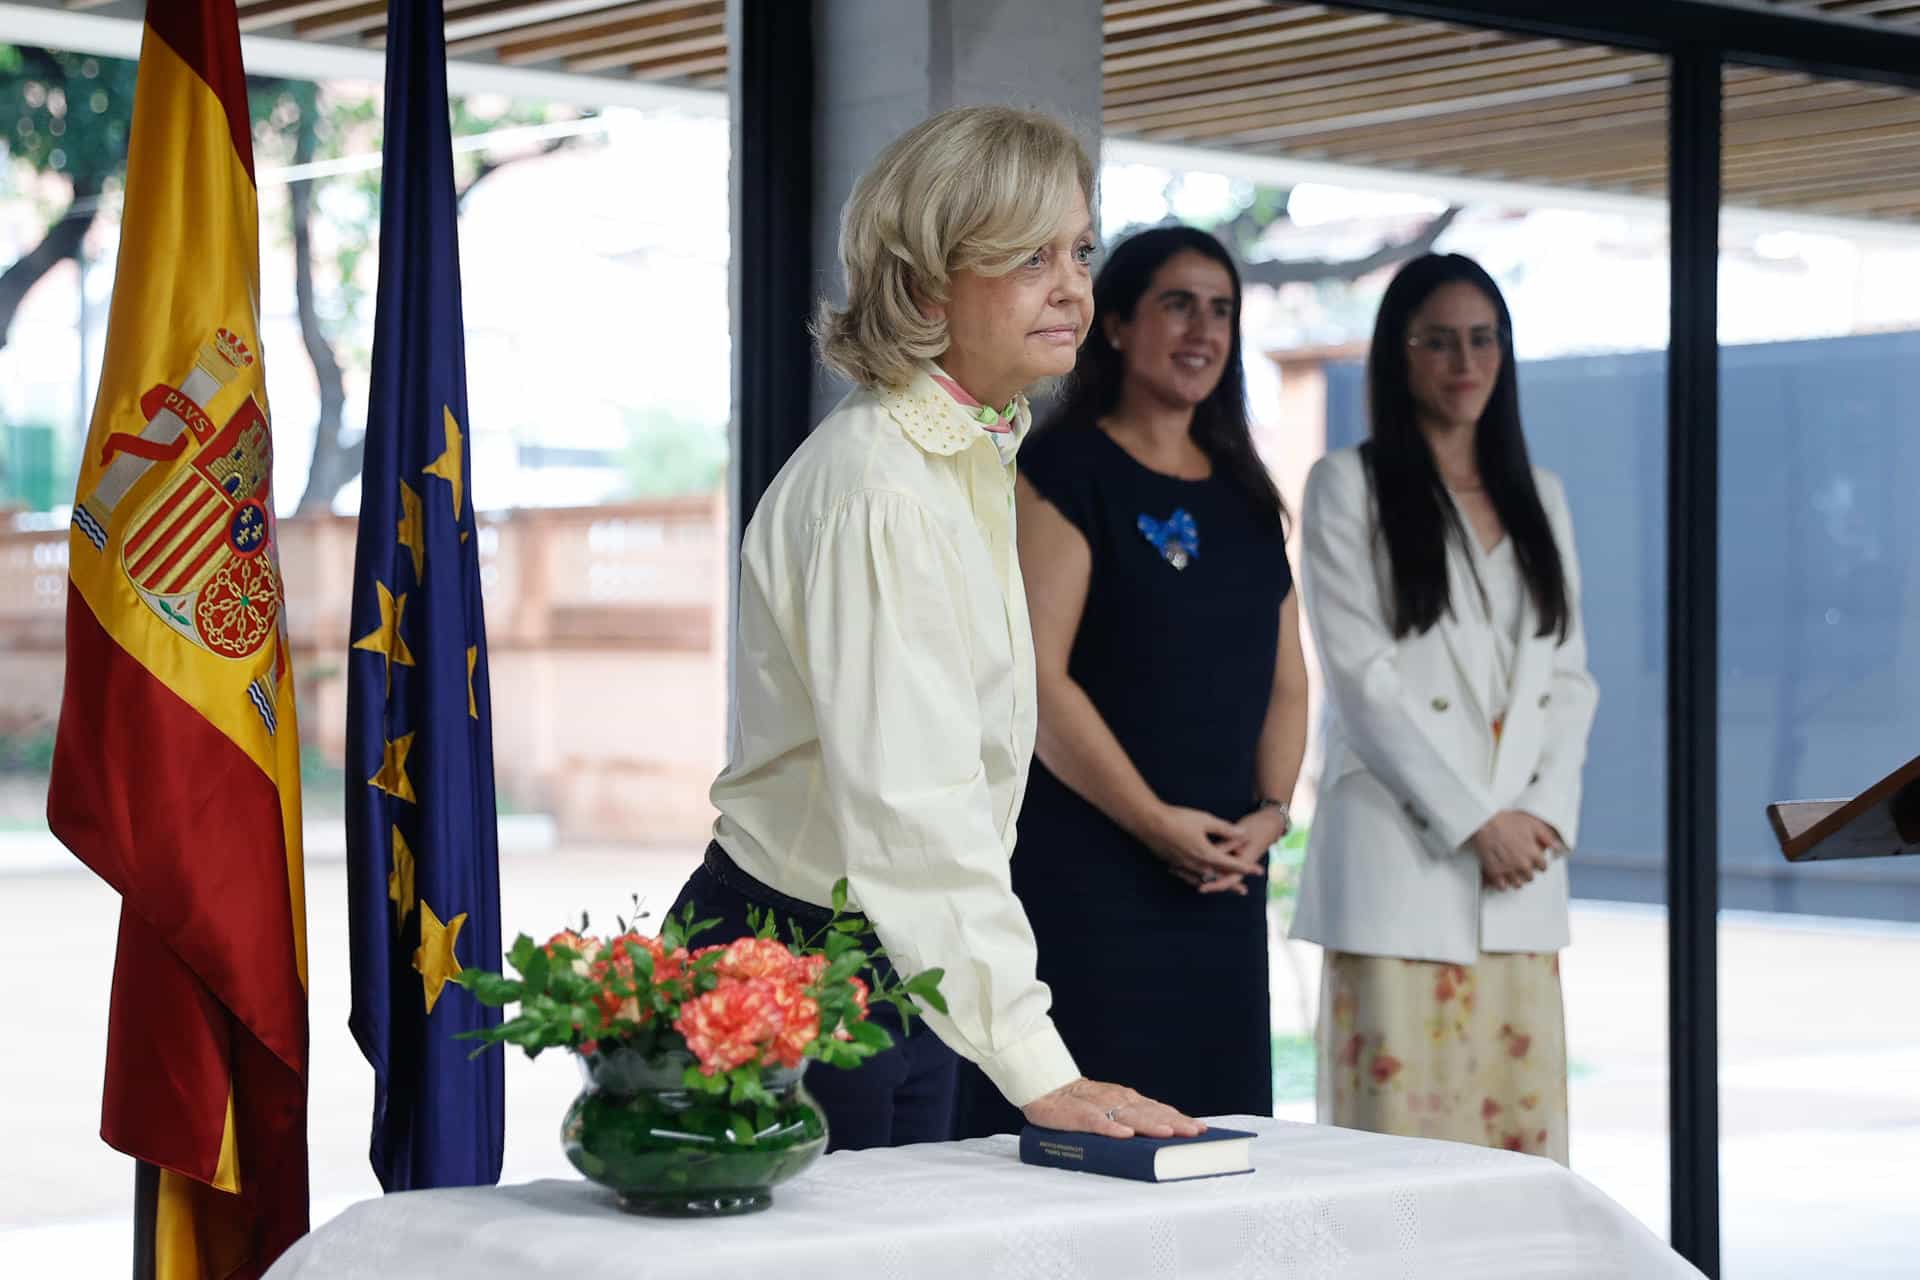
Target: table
<point x="1323" y="1202"/>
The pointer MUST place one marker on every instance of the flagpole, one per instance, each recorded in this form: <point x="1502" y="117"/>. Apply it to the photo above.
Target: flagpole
<point x="146" y="1201"/>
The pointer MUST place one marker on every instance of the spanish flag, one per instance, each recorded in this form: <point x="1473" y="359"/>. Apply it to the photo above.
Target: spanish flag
<point x="176" y="775"/>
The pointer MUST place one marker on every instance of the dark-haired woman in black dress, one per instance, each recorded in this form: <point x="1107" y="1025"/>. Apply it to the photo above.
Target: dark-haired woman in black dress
<point x="1172" y="693"/>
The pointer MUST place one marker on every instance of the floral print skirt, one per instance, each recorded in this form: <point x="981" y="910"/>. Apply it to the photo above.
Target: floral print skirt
<point x="1467" y="1053"/>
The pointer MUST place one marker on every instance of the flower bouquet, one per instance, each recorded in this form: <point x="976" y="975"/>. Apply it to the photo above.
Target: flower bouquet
<point x="693" y="1057"/>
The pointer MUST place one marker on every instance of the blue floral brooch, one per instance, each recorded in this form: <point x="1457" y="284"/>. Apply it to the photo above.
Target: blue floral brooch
<point x="1176" y="538"/>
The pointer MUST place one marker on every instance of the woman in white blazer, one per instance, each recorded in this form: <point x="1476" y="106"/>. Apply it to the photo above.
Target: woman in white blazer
<point x="1441" y="584"/>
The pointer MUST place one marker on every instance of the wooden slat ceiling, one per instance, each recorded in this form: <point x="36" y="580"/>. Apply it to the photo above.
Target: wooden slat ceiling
<point x="1314" y="81"/>
<point x="673" y="41"/>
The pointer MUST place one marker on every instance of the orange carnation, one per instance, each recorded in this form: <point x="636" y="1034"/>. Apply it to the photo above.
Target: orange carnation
<point x="756" y="958"/>
<point x="615" y="967"/>
<point x="615" y="1007"/>
<point x="585" y="949"/>
<point x="799" y="1024"/>
<point x="807" y="969"/>
<point x="667" y="965"/>
<point x="730" y="1025"/>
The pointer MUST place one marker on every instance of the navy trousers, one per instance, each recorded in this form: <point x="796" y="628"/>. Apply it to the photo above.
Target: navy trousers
<point x="900" y="1096"/>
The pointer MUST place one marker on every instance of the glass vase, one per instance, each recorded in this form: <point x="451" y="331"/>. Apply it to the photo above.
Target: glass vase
<point x="670" y="1151"/>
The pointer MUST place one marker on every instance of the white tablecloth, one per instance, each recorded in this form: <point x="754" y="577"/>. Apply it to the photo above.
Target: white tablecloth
<point x="1323" y="1202"/>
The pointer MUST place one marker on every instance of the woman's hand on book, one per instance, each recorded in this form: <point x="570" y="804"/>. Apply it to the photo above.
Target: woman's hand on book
<point x="1112" y="1110"/>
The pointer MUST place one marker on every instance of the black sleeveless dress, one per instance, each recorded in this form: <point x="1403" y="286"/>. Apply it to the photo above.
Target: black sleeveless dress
<point x="1155" y="985"/>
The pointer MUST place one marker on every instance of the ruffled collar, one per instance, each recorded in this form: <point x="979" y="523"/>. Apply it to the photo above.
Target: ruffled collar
<point x="933" y="418"/>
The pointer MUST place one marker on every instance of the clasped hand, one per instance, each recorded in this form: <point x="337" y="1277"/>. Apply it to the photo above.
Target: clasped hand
<point x="1210" y="853"/>
<point x="1513" y="848"/>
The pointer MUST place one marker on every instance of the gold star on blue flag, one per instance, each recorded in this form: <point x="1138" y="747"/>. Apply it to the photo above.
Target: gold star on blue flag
<point x="421" y="844"/>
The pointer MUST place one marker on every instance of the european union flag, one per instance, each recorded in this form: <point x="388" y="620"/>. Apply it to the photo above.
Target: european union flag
<point x="423" y="874"/>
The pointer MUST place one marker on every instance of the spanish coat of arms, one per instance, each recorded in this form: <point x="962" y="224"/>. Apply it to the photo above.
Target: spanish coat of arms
<point x="199" y="550"/>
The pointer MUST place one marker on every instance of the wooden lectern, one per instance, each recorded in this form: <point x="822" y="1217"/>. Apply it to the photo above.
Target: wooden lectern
<point x="1881" y="822"/>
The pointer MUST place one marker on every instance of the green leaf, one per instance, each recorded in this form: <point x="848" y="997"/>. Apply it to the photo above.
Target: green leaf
<point x="744" y="1087"/>
<point x="642" y="960"/>
<point x="742" y="1132"/>
<point x="836" y="1053"/>
<point x="844" y="966"/>
<point x="926" y="987"/>
<point x="585" y="1018"/>
<point x="875" y="1038"/>
<point x="523" y="951"/>
<point x="715" y="1083"/>
<point x="839" y="895"/>
<point x="490" y="988"/>
<point x="524" y="1032"/>
<point x="535" y="971"/>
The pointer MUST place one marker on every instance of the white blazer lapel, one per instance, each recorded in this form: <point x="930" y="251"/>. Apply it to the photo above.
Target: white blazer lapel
<point x="1464" y="628"/>
<point x="1532" y="671"/>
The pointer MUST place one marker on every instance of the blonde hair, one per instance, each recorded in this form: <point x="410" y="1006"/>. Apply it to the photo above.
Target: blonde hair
<point x="972" y="189"/>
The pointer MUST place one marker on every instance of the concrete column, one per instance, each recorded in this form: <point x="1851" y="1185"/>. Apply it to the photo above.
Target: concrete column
<point x="882" y="66"/>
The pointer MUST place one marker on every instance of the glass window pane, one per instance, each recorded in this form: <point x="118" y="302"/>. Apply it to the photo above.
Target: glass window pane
<point x="1819" y="668"/>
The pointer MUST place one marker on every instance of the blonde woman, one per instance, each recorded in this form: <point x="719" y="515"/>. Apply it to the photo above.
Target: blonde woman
<point x="884" y="705"/>
<point x="1443" y="591"/>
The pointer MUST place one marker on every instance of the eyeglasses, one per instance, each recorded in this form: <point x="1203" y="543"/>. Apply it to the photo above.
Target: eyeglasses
<point x="1480" y="340"/>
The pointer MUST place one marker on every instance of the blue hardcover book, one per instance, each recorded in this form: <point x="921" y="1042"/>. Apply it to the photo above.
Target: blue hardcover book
<point x="1213" y="1154"/>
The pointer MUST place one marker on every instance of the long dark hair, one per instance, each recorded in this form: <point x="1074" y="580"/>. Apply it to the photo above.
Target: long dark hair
<point x="1416" y="515"/>
<point x="1220" y="425"/>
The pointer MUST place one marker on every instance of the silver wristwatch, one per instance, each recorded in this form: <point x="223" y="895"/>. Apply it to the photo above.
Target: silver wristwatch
<point x="1286" y="814"/>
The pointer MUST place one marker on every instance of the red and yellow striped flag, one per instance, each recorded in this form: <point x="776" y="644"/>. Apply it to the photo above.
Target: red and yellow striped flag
<point x="177" y="771"/>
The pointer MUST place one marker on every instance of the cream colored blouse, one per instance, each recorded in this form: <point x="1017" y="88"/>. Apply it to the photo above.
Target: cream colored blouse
<point x="884" y="709"/>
